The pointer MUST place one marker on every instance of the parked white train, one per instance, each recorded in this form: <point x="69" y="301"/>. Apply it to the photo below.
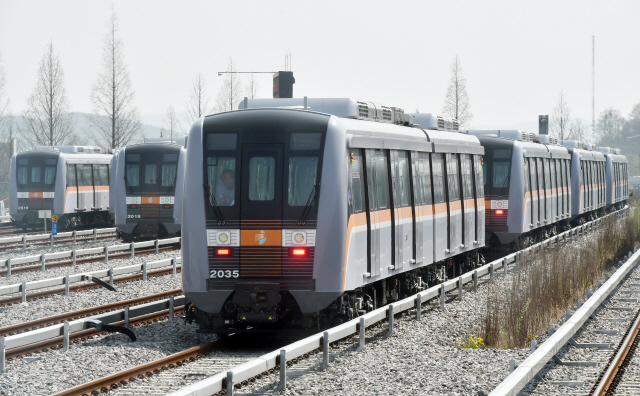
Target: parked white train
<point x="71" y="182"/>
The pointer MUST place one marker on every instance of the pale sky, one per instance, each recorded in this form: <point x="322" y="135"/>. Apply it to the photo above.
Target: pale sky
<point x="516" y="56"/>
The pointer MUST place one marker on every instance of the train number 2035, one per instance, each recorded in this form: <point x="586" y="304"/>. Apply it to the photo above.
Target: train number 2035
<point x="224" y="274"/>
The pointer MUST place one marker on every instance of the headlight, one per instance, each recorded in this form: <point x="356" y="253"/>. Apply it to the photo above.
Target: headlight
<point x="223" y="237"/>
<point x="299" y="237"/>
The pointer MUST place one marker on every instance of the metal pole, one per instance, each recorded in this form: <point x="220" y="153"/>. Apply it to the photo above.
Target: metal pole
<point x="173" y="262"/>
<point x="325" y="350"/>
<point x="106" y="253"/>
<point x="65" y="341"/>
<point x="283" y="371"/>
<point x="43" y="264"/>
<point x="475" y="280"/>
<point x="491" y="271"/>
<point x="74" y="237"/>
<point x="171" y="309"/>
<point x="73" y="257"/>
<point x="460" y="288"/>
<point x="24" y="242"/>
<point x="132" y="249"/>
<point x="111" y="276"/>
<point x="418" y="306"/>
<point x="9" y="267"/>
<point x="229" y="384"/>
<point x="390" y="321"/>
<point x="144" y="271"/>
<point x="24" y="291"/>
<point x="95" y="234"/>
<point x="157" y="246"/>
<point x="126" y="317"/>
<point x="2" y="354"/>
<point x="362" y="329"/>
<point x="442" y="296"/>
<point x="66" y="285"/>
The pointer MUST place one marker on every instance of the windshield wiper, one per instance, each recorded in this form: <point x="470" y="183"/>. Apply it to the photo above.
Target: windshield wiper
<point x="307" y="207"/>
<point x="214" y="204"/>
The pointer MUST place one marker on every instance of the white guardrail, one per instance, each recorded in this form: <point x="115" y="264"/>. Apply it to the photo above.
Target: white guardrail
<point x="87" y="276"/>
<point x="64" y="329"/>
<point x="74" y="254"/>
<point x="70" y="234"/>
<point x="225" y="380"/>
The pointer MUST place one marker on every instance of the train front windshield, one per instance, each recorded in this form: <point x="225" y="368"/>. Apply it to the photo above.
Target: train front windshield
<point x="36" y="173"/>
<point x="497" y="171"/>
<point x="151" y="172"/>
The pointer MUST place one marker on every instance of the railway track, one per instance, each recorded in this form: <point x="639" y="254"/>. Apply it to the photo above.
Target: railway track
<point x="79" y="239"/>
<point x="85" y="286"/>
<point x="68" y="263"/>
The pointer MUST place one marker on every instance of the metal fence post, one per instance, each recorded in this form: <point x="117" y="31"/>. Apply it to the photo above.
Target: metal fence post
<point x="173" y="263"/>
<point x="126" y="317"/>
<point x="418" y="306"/>
<point x="43" y="264"/>
<point x="442" y="296"/>
<point x="52" y="243"/>
<point x="9" y="267"/>
<point x="95" y="234"/>
<point x="2" y="354"/>
<point x="73" y="257"/>
<point x="460" y="288"/>
<point x="171" y="309"/>
<point x="106" y="253"/>
<point x="65" y="341"/>
<point x="475" y="280"/>
<point x="283" y="371"/>
<point x="491" y="271"/>
<point x="552" y="330"/>
<point x="133" y="248"/>
<point x="24" y="291"/>
<point x="24" y="242"/>
<point x="512" y="365"/>
<point x="144" y="271"/>
<point x="74" y="237"/>
<point x="229" y="383"/>
<point x="157" y="246"/>
<point x="111" y="276"/>
<point x="390" y="321"/>
<point x="325" y="350"/>
<point x="504" y="266"/>
<point x="66" y="285"/>
<point x="533" y="345"/>
<point x="361" y="341"/>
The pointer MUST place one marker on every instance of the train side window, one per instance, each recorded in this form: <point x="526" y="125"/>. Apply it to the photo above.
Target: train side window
<point x="479" y="176"/>
<point x="552" y="174"/>
<point x="417" y="167"/>
<point x="467" y="184"/>
<point x="541" y="185"/>
<point x="84" y="175"/>
<point x="403" y="178"/>
<point x="438" y="178"/>
<point x="262" y="178"/>
<point x="150" y="174"/>
<point x="71" y="176"/>
<point x="425" y="176"/>
<point x="23" y="175"/>
<point x="534" y="177"/>
<point x="371" y="178"/>
<point x="527" y="187"/>
<point x="356" y="194"/>
<point x="382" y="180"/>
<point x="103" y="173"/>
<point x="453" y="177"/>
<point x="133" y="175"/>
<point x="547" y="174"/>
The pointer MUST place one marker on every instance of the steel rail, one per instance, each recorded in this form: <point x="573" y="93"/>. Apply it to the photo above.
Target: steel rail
<point x="49" y="320"/>
<point x="613" y="374"/>
<point x="83" y="335"/>
<point x="85" y="286"/>
<point x="106" y="383"/>
<point x="18" y="245"/>
<point x="69" y="263"/>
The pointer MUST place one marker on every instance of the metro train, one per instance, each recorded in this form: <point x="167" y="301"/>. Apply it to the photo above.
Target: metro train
<point x="308" y="212"/>
<point x="147" y="179"/>
<point x="71" y="182"/>
<point x="305" y="218"/>
<point x="537" y="186"/>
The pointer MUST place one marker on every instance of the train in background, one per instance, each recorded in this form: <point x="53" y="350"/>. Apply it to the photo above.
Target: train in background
<point x="71" y="182"/>
<point x="305" y="218"/>
<point x="536" y="186"/>
<point x="146" y="180"/>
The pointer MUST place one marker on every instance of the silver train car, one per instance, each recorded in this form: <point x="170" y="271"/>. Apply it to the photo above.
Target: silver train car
<point x="148" y="177"/>
<point x="617" y="177"/>
<point x="527" y="186"/>
<point x="320" y="210"/>
<point x="71" y="182"/>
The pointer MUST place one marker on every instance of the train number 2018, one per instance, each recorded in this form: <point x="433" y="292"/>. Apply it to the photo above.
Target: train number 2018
<point x="224" y="274"/>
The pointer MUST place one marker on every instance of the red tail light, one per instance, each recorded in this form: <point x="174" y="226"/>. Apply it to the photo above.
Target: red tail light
<point x="298" y="252"/>
<point x="223" y="252"/>
<point x="134" y="206"/>
<point x="499" y="212"/>
<point x="167" y="206"/>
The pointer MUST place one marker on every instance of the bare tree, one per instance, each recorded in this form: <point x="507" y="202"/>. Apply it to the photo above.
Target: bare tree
<point x="456" y="102"/>
<point x="116" y="119"/>
<point x="579" y="130"/>
<point x="198" y="100"/>
<point x="4" y="101"/>
<point x="171" y="122"/>
<point x="560" y="119"/>
<point x="230" y="93"/>
<point x="47" y="120"/>
<point x="253" y="86"/>
<point x="609" y="124"/>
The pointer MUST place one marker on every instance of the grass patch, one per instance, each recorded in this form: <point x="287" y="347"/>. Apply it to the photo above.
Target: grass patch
<point x="550" y="281"/>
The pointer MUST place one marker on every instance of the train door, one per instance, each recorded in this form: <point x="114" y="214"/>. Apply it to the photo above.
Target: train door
<point x="454" y="203"/>
<point x="373" y="231"/>
<point x="554" y="191"/>
<point x="402" y="209"/>
<point x="440" y="216"/>
<point x="423" y="207"/>
<point x="261" y="210"/>
<point x="479" y="194"/>
<point x="85" y="187"/>
<point x="468" y="209"/>
<point x="535" y="213"/>
<point x="547" y="192"/>
<point x="71" y="198"/>
<point x="528" y="201"/>
<point x="541" y="193"/>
